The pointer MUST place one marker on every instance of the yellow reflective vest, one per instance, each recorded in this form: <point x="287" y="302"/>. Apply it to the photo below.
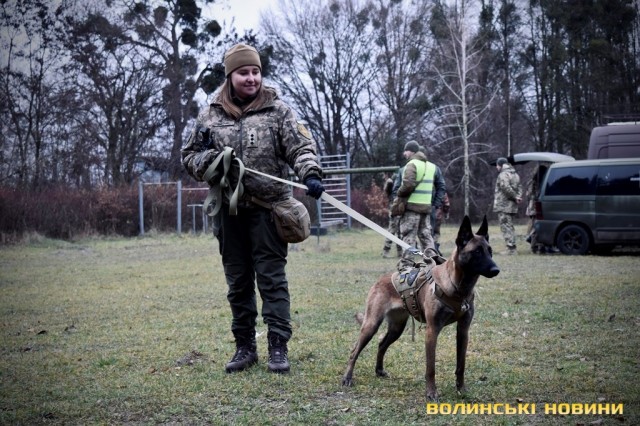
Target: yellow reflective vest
<point x="425" y="173"/>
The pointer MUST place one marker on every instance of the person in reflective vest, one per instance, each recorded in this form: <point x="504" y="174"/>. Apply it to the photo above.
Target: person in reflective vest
<point x="422" y="188"/>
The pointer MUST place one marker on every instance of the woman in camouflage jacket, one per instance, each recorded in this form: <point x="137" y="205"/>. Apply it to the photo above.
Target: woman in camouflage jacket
<point x="264" y="134"/>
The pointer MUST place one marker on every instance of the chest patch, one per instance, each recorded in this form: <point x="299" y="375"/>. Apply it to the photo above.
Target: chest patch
<point x="252" y="137"/>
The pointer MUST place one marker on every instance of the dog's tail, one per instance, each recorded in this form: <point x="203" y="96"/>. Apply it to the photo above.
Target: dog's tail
<point x="359" y="317"/>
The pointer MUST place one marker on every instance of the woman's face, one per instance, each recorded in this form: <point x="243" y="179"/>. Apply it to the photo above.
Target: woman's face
<point x="246" y="81"/>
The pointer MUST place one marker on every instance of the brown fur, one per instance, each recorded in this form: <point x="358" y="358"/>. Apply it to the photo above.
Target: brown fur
<point x="457" y="278"/>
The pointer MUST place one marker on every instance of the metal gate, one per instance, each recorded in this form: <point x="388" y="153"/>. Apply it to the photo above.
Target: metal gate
<point x="338" y="186"/>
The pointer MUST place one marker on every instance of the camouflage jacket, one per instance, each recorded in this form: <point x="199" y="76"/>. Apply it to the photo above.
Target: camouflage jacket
<point x="507" y="189"/>
<point x="269" y="140"/>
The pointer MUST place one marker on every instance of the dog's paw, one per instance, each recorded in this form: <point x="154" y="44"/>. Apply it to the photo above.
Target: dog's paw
<point x="432" y="395"/>
<point x="381" y="373"/>
<point x="347" y="381"/>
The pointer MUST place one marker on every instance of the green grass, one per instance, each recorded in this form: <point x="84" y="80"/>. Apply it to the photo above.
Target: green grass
<point x="100" y="332"/>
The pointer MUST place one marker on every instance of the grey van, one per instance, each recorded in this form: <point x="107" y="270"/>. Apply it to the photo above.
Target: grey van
<point x="615" y="140"/>
<point x="590" y="205"/>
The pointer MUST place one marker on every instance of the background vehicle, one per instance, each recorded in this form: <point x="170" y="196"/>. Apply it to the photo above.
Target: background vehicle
<point x="615" y="140"/>
<point x="543" y="157"/>
<point x="590" y="205"/>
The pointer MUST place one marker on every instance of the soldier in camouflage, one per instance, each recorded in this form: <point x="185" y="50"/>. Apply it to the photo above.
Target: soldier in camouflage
<point x="422" y="186"/>
<point x="507" y="196"/>
<point x="264" y="134"/>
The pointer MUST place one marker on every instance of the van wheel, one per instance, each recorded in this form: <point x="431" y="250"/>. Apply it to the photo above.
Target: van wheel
<point x="573" y="240"/>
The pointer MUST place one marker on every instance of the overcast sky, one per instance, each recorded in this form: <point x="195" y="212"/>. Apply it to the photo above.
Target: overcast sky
<point x="245" y="12"/>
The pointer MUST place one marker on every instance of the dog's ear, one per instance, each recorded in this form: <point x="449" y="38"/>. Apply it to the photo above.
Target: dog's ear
<point x="465" y="233"/>
<point x="484" y="229"/>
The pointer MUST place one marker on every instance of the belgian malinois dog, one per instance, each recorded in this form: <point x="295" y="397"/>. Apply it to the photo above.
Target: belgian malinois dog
<point x="446" y="299"/>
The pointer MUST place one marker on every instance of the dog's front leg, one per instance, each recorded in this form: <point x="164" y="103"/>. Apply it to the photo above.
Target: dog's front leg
<point x="431" y="342"/>
<point x="462" y="341"/>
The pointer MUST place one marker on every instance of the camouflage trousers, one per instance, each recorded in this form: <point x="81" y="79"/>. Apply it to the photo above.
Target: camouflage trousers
<point x="416" y="226"/>
<point x="393" y="230"/>
<point x="507" y="228"/>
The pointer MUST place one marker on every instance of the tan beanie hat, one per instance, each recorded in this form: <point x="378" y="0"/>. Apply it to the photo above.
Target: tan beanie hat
<point x="239" y="56"/>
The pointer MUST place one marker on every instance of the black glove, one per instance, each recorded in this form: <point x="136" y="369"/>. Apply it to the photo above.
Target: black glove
<point x="314" y="186"/>
<point x="205" y="134"/>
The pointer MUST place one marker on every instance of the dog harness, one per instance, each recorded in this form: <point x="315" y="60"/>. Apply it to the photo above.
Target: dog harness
<point x="409" y="282"/>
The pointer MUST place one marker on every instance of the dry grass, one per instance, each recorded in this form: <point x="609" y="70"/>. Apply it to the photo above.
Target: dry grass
<point x="137" y="331"/>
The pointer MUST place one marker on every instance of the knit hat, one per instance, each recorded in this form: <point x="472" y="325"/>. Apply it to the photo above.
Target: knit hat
<point x="412" y="146"/>
<point x="239" y="56"/>
<point x="501" y="161"/>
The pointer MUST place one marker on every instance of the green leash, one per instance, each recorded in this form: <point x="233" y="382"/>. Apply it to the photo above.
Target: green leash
<point x="213" y="202"/>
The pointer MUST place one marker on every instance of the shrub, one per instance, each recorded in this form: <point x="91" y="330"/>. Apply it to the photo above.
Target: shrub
<point x="371" y="203"/>
<point x="68" y="213"/>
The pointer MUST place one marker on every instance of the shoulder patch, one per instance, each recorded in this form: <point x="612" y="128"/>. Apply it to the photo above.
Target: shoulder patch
<point x="304" y="131"/>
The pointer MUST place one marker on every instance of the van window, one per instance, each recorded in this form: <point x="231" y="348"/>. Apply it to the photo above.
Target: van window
<point x="572" y="181"/>
<point x="619" y="180"/>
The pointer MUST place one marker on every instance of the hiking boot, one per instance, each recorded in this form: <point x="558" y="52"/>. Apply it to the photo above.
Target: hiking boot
<point x="246" y="354"/>
<point x="278" y="360"/>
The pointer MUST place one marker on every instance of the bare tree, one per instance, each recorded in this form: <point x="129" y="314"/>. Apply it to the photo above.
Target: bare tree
<point x="121" y="90"/>
<point x="171" y="33"/>
<point x="323" y="63"/>
<point x="456" y="69"/>
<point x="402" y="45"/>
<point x="31" y="58"/>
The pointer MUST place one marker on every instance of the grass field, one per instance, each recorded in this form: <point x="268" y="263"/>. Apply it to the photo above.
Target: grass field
<point x="136" y="331"/>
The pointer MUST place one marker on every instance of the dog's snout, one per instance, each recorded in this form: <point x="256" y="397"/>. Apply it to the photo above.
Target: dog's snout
<point x="492" y="272"/>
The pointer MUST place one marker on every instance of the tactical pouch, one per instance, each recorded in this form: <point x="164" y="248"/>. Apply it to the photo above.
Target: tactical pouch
<point x="291" y="218"/>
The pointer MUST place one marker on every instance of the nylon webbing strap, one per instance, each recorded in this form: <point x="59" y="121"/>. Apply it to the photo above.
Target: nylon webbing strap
<point x="345" y="209"/>
<point x="227" y="158"/>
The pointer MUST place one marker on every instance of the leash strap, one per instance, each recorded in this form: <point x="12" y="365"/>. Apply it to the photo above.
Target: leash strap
<point x="345" y="209"/>
<point x="213" y="202"/>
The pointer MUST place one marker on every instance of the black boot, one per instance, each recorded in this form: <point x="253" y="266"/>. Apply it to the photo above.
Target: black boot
<point x="246" y="353"/>
<point x="278" y="361"/>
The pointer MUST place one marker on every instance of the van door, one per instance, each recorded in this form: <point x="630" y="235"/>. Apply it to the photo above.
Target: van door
<point x="618" y="203"/>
